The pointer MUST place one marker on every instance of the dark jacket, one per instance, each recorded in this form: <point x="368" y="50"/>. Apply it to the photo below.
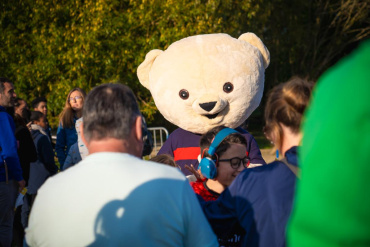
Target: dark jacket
<point x="26" y="151"/>
<point x="45" y="166"/>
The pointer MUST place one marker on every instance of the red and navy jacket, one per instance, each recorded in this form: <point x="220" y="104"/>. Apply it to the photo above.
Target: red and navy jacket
<point x="200" y="188"/>
<point x="231" y="238"/>
<point x="183" y="146"/>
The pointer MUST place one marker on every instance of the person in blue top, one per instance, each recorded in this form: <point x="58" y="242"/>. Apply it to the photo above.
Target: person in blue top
<point x="66" y="133"/>
<point x="260" y="199"/>
<point x="11" y="178"/>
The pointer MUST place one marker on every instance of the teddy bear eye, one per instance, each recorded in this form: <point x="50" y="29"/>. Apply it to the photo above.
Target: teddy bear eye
<point x="184" y="94"/>
<point x="228" y="87"/>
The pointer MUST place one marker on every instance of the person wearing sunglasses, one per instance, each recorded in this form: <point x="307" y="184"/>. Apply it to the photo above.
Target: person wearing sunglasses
<point x="260" y="199"/>
<point x="231" y="158"/>
<point x="66" y="133"/>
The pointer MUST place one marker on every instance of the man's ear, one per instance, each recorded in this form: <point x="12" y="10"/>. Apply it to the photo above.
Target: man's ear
<point x="138" y="129"/>
<point x="82" y="134"/>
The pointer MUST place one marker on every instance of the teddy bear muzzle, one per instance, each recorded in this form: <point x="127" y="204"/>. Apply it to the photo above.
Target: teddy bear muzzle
<point x="208" y="106"/>
<point x="209" y="109"/>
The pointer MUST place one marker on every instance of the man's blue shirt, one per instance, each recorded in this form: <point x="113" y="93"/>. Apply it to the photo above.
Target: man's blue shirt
<point x="8" y="151"/>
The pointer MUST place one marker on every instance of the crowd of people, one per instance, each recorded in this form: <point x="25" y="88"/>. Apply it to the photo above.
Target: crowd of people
<point x="105" y="194"/>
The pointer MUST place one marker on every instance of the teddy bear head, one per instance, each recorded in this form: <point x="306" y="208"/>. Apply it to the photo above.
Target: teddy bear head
<point x="204" y="81"/>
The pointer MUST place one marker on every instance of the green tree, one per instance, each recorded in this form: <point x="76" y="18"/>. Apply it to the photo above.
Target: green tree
<point x="48" y="47"/>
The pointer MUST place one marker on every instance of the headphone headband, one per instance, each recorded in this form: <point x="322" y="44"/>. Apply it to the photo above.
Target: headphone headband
<point x="221" y="135"/>
<point x="207" y="165"/>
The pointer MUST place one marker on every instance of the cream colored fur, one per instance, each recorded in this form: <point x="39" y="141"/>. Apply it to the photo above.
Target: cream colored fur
<point x="201" y="65"/>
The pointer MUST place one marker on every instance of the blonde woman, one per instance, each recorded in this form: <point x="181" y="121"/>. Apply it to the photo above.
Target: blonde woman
<point x="260" y="199"/>
<point x="66" y="134"/>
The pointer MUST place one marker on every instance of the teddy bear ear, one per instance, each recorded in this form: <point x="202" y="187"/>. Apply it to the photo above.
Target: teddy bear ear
<point x="145" y="67"/>
<point x="252" y="39"/>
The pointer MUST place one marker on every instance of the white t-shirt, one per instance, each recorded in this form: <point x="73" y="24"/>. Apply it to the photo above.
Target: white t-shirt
<point x="84" y="152"/>
<point x="116" y="199"/>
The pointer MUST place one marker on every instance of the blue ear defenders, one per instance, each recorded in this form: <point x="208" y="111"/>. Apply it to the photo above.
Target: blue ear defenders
<point x="207" y="165"/>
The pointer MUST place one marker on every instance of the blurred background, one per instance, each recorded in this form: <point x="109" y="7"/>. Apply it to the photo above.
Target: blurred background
<point x="50" y="47"/>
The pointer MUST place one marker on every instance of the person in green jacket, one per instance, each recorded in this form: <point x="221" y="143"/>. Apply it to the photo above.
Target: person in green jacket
<point x="332" y="206"/>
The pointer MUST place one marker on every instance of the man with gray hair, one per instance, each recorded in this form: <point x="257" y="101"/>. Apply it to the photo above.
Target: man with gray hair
<point x="10" y="169"/>
<point x="113" y="197"/>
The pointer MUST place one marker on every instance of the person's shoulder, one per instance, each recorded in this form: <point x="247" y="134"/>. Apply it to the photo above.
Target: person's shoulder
<point x="35" y="133"/>
<point x="258" y="173"/>
<point x="248" y="135"/>
<point x="22" y="131"/>
<point x="52" y="184"/>
<point x="251" y="182"/>
<point x="74" y="147"/>
<point x="245" y="133"/>
<point x="180" y="132"/>
<point x="265" y="169"/>
<point x="162" y="170"/>
<point x="4" y="116"/>
<point x="266" y="175"/>
<point x="127" y="162"/>
<point x="63" y="128"/>
<point x="242" y="130"/>
<point x="161" y="176"/>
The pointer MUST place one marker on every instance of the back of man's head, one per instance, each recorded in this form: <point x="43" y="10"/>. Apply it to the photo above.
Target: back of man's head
<point x="110" y="111"/>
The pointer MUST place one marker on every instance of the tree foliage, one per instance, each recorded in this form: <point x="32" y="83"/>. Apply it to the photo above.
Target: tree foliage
<point x="49" y="47"/>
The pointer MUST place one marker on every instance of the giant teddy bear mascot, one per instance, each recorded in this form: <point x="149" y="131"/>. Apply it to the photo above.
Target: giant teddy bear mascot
<point x="204" y="81"/>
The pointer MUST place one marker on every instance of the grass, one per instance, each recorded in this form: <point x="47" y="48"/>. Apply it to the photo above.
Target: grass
<point x="262" y="142"/>
<point x="255" y="127"/>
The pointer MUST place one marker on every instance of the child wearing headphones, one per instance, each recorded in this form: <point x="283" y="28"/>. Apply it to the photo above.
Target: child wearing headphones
<point x="224" y="156"/>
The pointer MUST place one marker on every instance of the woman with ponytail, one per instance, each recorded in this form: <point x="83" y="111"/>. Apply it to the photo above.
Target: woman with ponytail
<point x="260" y="199"/>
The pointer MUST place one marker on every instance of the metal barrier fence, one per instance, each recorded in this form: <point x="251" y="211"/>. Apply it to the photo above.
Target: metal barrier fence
<point x="160" y="135"/>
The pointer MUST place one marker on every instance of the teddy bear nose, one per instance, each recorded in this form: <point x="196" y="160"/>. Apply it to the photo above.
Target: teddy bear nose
<point x="208" y="106"/>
